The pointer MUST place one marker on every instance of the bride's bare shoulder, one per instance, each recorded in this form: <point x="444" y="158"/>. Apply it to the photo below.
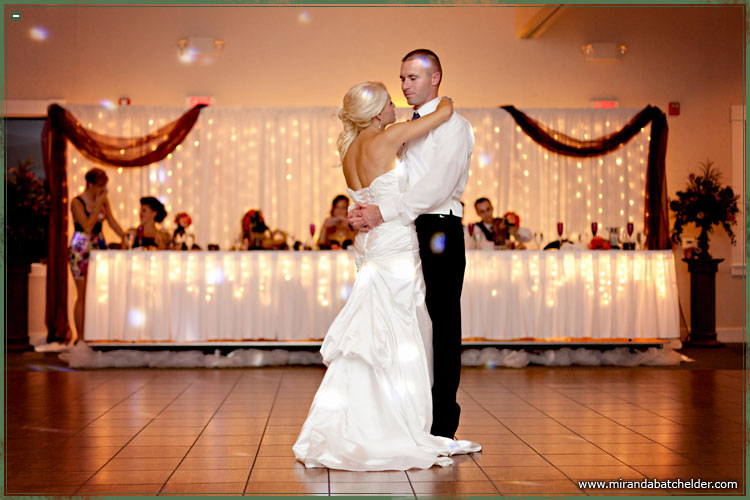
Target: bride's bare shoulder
<point x="351" y="176"/>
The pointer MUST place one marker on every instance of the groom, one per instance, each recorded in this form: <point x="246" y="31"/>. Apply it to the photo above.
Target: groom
<point x="438" y="170"/>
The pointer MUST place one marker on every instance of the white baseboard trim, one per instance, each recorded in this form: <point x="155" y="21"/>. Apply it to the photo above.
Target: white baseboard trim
<point x="735" y="334"/>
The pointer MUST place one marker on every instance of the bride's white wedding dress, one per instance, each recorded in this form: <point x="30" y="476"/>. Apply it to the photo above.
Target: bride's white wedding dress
<point x="373" y="409"/>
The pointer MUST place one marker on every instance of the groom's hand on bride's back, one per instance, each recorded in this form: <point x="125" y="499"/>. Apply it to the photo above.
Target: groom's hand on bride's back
<point x="365" y="217"/>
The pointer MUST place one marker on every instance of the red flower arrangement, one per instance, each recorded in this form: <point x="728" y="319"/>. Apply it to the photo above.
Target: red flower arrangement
<point x="512" y="219"/>
<point x="706" y="203"/>
<point x="183" y="220"/>
<point x="599" y="243"/>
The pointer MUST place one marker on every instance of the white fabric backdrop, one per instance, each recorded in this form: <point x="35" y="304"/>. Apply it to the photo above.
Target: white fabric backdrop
<point x="282" y="160"/>
<point x="204" y="296"/>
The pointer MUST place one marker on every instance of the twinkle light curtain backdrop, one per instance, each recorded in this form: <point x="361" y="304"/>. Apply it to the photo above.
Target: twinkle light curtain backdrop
<point x="284" y="161"/>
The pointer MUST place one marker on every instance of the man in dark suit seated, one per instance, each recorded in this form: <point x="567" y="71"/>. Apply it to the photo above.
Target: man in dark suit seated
<point x="491" y="232"/>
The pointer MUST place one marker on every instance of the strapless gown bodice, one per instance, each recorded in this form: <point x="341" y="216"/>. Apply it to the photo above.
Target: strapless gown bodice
<point x="384" y="187"/>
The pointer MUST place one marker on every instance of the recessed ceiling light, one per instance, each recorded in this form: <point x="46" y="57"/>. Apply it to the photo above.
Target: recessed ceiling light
<point x="38" y="33"/>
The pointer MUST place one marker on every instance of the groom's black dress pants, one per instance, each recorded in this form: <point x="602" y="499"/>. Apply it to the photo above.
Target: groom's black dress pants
<point x="441" y="248"/>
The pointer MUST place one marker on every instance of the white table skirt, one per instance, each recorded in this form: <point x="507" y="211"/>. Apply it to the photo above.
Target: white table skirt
<point x="292" y="296"/>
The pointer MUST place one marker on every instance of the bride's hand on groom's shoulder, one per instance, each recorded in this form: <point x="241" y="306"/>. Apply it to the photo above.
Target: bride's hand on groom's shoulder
<point x="446" y="103"/>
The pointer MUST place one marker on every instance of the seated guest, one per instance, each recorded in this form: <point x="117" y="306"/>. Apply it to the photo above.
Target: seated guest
<point x="517" y="235"/>
<point x="498" y="232"/>
<point x="148" y="235"/>
<point x="490" y="229"/>
<point x="257" y="235"/>
<point x="523" y="235"/>
<point x="178" y="241"/>
<point x="336" y="233"/>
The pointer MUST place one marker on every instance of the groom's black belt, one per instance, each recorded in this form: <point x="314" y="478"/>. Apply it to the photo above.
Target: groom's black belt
<point x="440" y="217"/>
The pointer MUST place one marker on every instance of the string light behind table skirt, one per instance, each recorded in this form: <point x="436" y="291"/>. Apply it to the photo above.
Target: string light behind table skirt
<point x="188" y="297"/>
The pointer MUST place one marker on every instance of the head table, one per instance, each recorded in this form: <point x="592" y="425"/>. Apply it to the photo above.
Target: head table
<point x="201" y="296"/>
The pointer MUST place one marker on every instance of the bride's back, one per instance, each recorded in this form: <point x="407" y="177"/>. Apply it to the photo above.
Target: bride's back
<point x="367" y="158"/>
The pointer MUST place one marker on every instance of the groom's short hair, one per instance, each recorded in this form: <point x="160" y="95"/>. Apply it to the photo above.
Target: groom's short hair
<point x="431" y="58"/>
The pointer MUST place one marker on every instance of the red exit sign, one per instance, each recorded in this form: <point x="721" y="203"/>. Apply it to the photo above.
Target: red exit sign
<point x="195" y="100"/>
<point x="605" y="104"/>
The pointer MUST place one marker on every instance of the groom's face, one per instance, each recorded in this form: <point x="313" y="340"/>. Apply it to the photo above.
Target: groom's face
<point x="417" y="81"/>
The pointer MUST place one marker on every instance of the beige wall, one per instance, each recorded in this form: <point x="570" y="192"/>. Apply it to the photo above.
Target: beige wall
<point x="688" y="54"/>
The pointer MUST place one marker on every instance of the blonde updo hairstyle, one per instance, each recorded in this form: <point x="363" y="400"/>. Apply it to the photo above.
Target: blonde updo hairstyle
<point x="362" y="104"/>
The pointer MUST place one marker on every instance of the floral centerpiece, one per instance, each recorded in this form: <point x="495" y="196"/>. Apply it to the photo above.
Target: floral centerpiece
<point x="705" y="203"/>
<point x="26" y="216"/>
<point x="254" y="228"/>
<point x="512" y="220"/>
<point x="599" y="243"/>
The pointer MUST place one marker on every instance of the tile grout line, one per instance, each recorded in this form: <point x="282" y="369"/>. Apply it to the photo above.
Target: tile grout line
<point x="485" y="474"/>
<point x="413" y="491"/>
<point x="136" y="434"/>
<point x="577" y="434"/>
<point x="517" y="436"/>
<point x="475" y="460"/>
<point x="257" y="452"/>
<point x="630" y="429"/>
<point x="151" y="379"/>
<point x="199" y="434"/>
<point x="104" y="382"/>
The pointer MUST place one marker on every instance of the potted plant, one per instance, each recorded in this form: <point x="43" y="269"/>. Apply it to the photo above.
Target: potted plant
<point x="705" y="203"/>
<point x="26" y="219"/>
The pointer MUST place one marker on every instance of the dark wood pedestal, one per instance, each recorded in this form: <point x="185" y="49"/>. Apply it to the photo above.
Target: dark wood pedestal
<point x="703" y="302"/>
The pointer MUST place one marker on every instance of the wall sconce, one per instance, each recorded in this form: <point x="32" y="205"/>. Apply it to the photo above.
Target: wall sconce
<point x="604" y="51"/>
<point x="199" y="49"/>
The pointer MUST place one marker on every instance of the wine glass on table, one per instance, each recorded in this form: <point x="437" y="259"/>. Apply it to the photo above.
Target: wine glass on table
<point x="594" y="228"/>
<point x="559" y="234"/>
<point x="538" y="240"/>
<point x="312" y="237"/>
<point x="629" y="228"/>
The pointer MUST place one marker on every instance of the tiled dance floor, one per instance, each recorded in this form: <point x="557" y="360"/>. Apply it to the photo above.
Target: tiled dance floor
<point x="231" y="431"/>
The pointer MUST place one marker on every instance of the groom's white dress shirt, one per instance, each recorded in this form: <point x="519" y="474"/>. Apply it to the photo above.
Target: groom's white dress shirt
<point x="438" y="169"/>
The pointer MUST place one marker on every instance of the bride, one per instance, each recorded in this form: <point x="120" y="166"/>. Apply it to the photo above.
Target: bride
<point x="373" y="409"/>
